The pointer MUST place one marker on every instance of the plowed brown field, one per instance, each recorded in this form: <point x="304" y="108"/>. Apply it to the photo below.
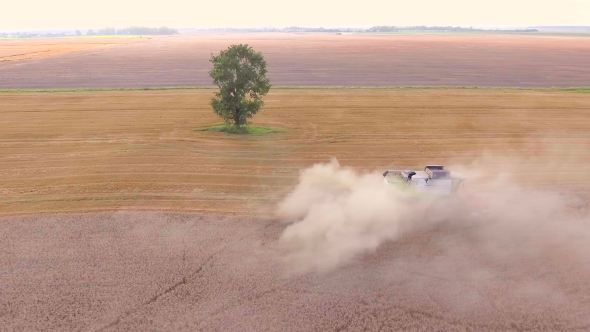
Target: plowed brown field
<point x="319" y="60"/>
<point x="139" y="150"/>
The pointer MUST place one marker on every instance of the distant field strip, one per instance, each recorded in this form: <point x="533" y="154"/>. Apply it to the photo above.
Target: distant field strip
<point x="306" y="60"/>
<point x="14" y="49"/>
<point x="279" y="87"/>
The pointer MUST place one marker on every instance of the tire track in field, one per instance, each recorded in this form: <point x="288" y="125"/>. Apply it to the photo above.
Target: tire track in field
<point x="184" y="281"/>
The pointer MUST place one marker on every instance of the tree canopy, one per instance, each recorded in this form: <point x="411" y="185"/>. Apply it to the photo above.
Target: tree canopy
<point x="240" y="73"/>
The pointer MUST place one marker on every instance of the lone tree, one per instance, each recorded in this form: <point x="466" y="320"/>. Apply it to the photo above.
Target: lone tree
<point x="240" y="74"/>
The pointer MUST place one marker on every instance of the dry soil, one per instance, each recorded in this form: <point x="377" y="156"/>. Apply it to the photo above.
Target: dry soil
<point x="69" y="152"/>
<point x="36" y="48"/>
<point x="127" y="269"/>
<point x="181" y="272"/>
<point x="315" y="60"/>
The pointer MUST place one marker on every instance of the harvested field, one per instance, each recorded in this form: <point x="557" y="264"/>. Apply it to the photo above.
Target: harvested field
<point x="91" y="151"/>
<point x="219" y="265"/>
<point x="24" y="49"/>
<point x="320" y="60"/>
<point x="179" y="272"/>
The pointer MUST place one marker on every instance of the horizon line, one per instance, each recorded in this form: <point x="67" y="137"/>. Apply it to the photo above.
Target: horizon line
<point x="304" y="27"/>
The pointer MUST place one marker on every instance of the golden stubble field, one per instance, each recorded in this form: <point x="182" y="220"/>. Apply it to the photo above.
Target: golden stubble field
<point x="138" y="150"/>
<point x="38" y="48"/>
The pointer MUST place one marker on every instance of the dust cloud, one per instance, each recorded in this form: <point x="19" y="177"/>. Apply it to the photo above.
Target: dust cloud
<point x="337" y="214"/>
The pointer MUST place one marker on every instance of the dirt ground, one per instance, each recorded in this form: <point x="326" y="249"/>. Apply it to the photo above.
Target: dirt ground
<point x="317" y="60"/>
<point x="182" y="272"/>
<point x="68" y="152"/>
<point x="24" y="49"/>
<point x="214" y="262"/>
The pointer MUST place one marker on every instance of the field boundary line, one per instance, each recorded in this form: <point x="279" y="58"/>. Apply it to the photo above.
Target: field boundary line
<point x="578" y="89"/>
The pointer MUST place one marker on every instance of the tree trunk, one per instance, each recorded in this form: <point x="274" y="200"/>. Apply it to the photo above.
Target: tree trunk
<point x="237" y="118"/>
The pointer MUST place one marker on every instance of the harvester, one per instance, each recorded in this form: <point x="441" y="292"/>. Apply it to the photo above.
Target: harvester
<point x="433" y="183"/>
<point x="434" y="180"/>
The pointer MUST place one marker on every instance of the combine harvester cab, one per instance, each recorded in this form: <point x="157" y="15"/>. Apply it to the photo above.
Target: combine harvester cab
<point x="433" y="181"/>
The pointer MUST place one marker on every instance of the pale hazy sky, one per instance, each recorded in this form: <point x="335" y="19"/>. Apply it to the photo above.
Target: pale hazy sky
<point x="66" y="14"/>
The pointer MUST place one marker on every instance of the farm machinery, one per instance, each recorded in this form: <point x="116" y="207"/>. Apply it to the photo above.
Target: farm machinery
<point x="434" y="180"/>
<point x="433" y="183"/>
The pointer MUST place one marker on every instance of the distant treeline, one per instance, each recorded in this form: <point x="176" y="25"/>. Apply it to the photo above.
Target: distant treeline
<point x="288" y="29"/>
<point x="516" y="30"/>
<point x="102" y="32"/>
<point x="169" y="31"/>
<point x="133" y="31"/>
<point x="438" y="28"/>
<point x="372" y="29"/>
<point x="302" y="29"/>
<point x="418" y="28"/>
<point x="29" y="35"/>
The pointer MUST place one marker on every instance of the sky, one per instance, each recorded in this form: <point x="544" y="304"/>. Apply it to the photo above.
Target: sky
<point x="77" y="14"/>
